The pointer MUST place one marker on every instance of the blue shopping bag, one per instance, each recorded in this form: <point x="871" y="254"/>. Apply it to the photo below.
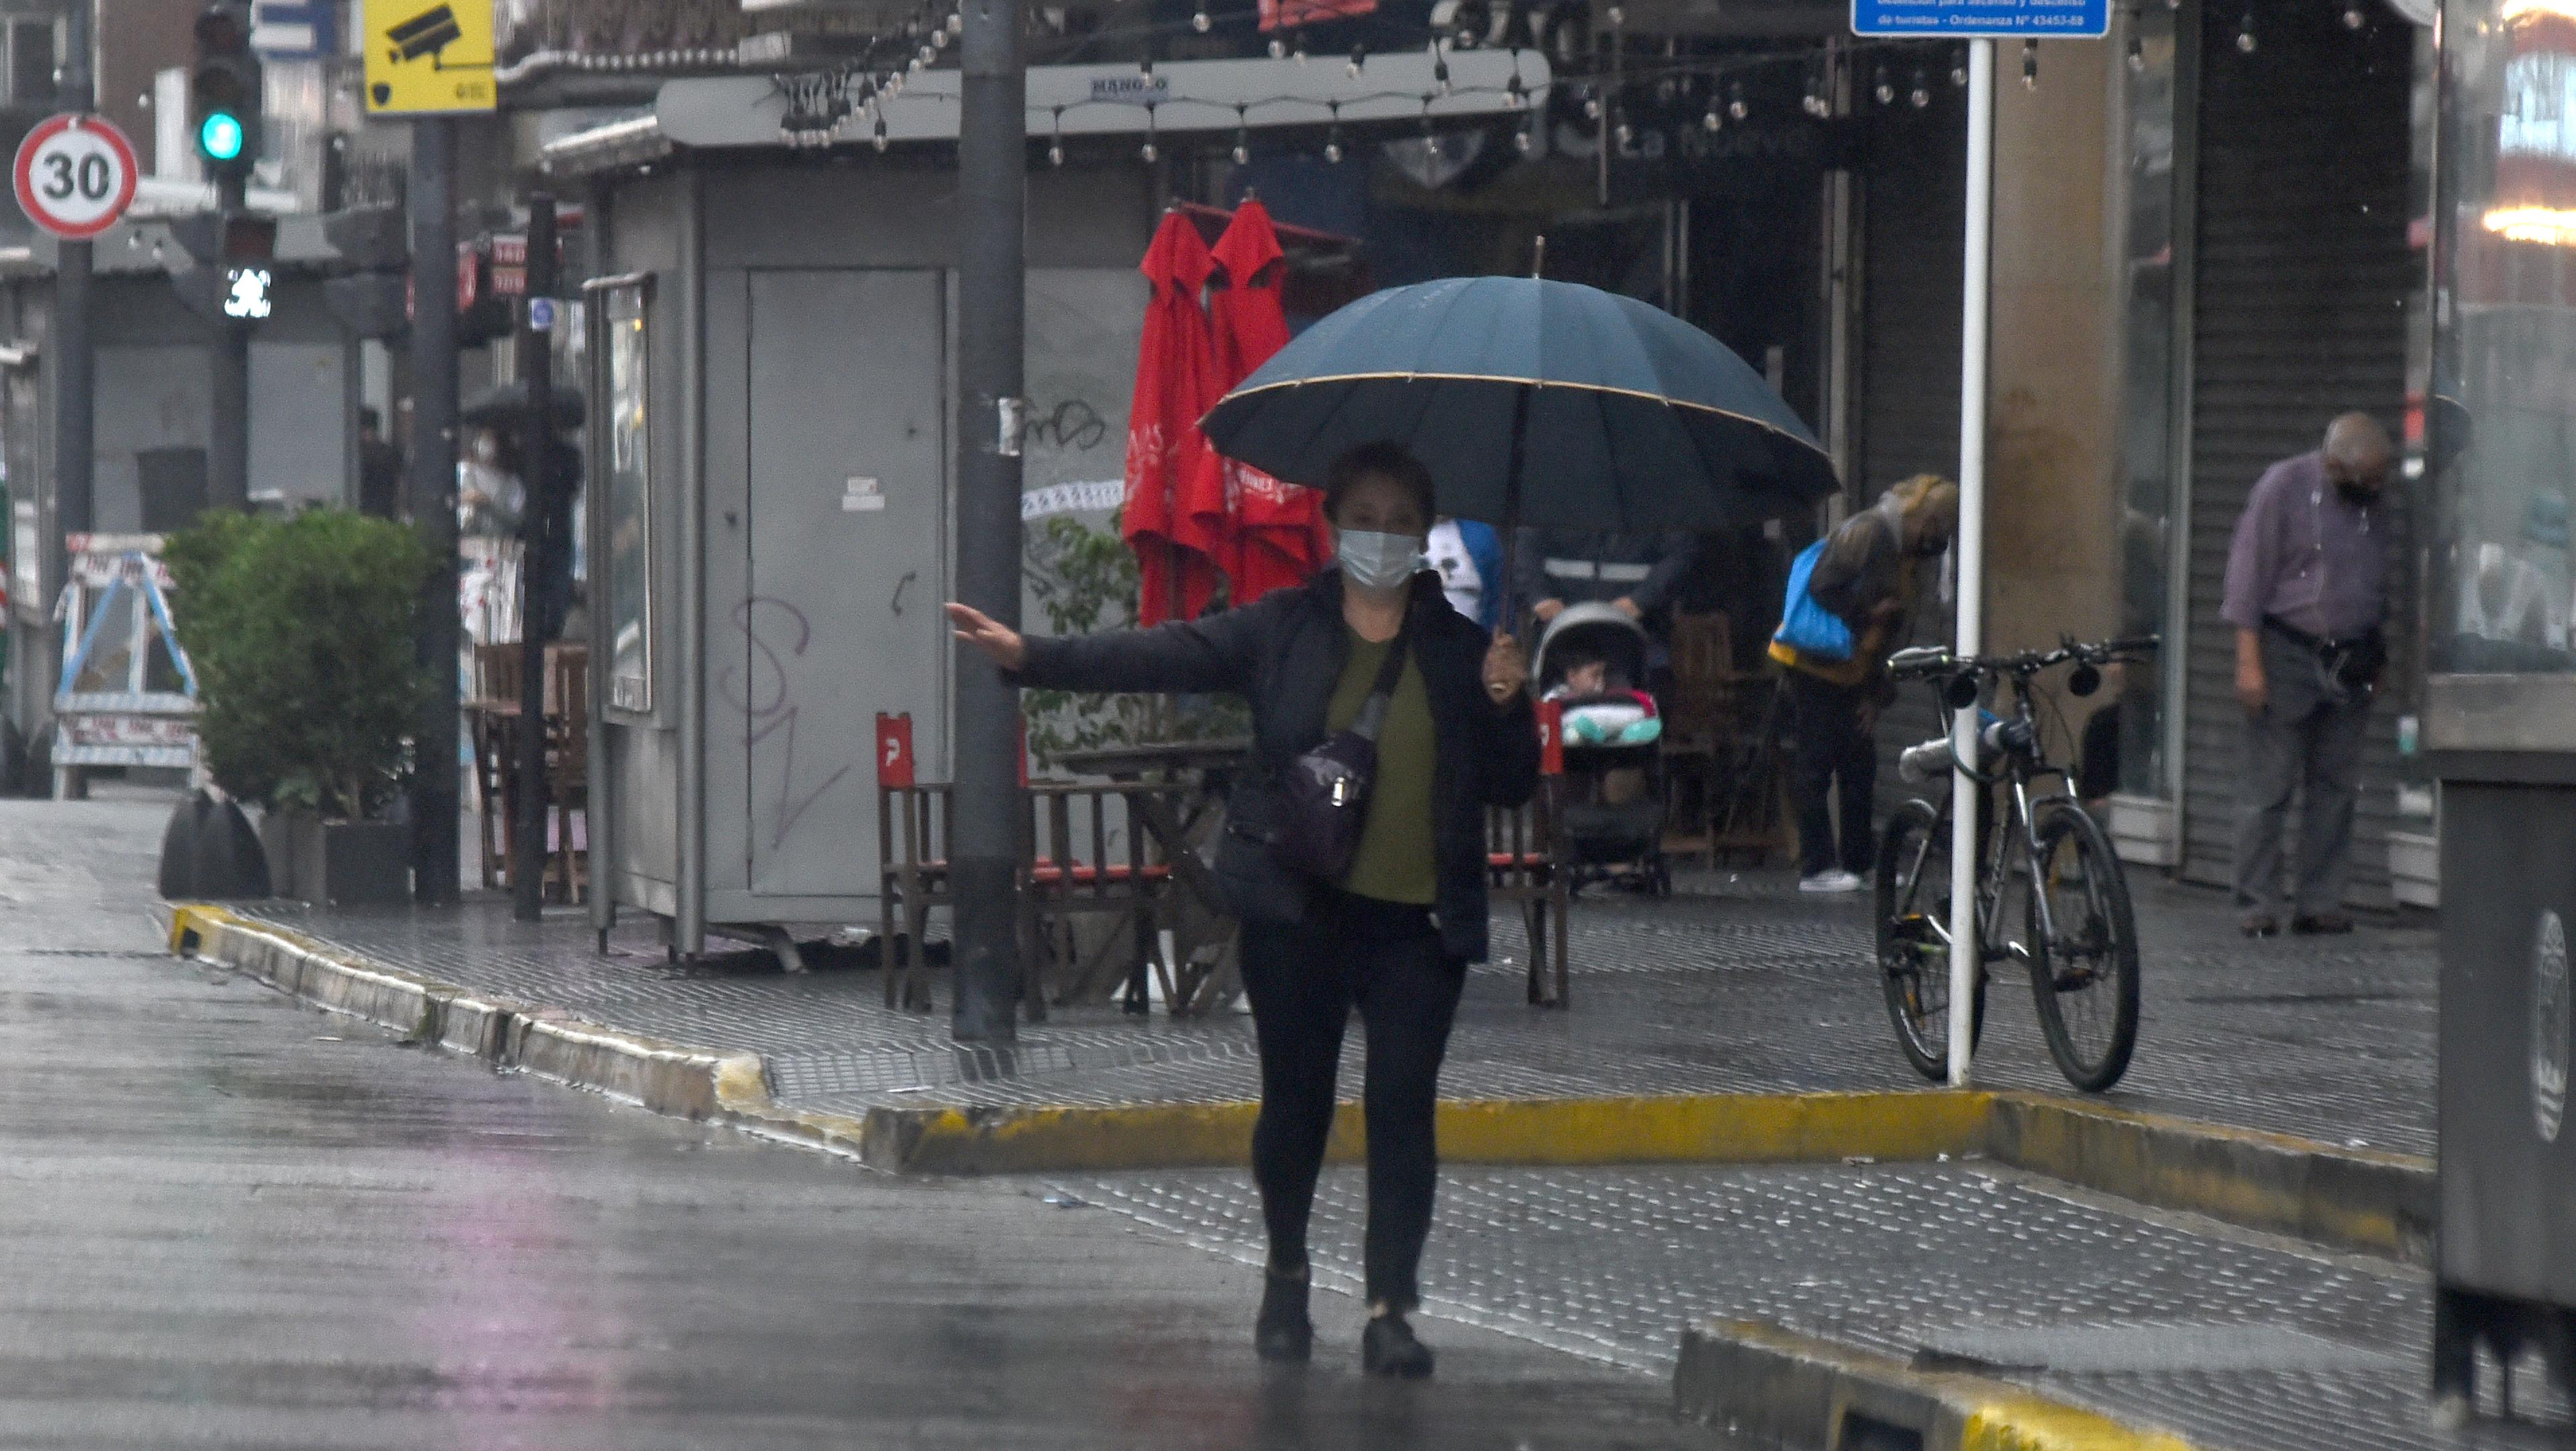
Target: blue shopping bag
<point x="1806" y="626"/>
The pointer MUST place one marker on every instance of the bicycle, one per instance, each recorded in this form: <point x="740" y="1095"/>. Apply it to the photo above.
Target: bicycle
<point x="2080" y="938"/>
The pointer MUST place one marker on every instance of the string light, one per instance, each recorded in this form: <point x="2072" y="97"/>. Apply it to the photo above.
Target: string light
<point x="1439" y="68"/>
<point x="1199" y="20"/>
<point x="1278" y="48"/>
<point x="1591" y="106"/>
<point x="2030" y="65"/>
<point x="1626" y="134"/>
<point x="1149" y="150"/>
<point x="1883" y="89"/>
<point x="1921" y="95"/>
<point x="1297" y="44"/>
<point x="1523" y="139"/>
<point x="879" y="139"/>
<point x="1145" y="67"/>
<point x="1515" y="94"/>
<point x="1813" y="102"/>
<point x="1712" y="122"/>
<point x="2137" y="55"/>
<point x="1959" y="69"/>
<point x="2352" y="17"/>
<point x="2245" y="33"/>
<point x="1735" y="106"/>
<point x="939" y="38"/>
<point x="1055" y="144"/>
<point x="1359" y="60"/>
<point x="1242" y="138"/>
<point x="956" y="22"/>
<point x="1333" y="137"/>
<point x="1430" y="138"/>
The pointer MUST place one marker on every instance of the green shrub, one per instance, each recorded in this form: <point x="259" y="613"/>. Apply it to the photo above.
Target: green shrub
<point x="302" y="634"/>
<point x="1085" y="581"/>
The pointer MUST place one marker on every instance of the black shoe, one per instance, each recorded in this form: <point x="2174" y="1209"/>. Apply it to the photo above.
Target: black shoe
<point x="1282" y="1332"/>
<point x="2320" y="924"/>
<point x="1387" y="1347"/>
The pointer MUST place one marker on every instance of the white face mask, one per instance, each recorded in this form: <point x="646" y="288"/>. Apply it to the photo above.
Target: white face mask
<point x="1373" y="560"/>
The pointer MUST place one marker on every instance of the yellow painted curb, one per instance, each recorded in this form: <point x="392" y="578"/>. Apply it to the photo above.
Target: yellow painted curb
<point x="1690" y="1128"/>
<point x="1760" y="1379"/>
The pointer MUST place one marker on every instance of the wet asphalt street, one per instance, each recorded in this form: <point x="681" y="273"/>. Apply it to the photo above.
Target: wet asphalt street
<point x="233" y="1222"/>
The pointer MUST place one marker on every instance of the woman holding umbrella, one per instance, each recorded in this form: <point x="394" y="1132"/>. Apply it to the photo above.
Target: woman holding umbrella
<point x="1369" y="646"/>
<point x="1507" y="400"/>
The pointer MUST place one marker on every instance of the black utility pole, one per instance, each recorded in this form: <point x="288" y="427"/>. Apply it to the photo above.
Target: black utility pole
<point x="75" y="356"/>
<point x="434" y="799"/>
<point x="992" y="166"/>
<point x="536" y="563"/>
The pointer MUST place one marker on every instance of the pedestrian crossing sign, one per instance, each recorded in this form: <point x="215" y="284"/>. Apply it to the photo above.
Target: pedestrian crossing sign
<point x="425" y="57"/>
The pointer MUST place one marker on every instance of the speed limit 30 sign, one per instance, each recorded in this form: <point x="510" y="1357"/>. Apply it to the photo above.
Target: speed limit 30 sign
<point x="75" y="175"/>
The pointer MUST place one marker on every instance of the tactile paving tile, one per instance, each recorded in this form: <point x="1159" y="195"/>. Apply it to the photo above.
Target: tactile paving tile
<point x="1745" y="987"/>
<point x="2235" y="1342"/>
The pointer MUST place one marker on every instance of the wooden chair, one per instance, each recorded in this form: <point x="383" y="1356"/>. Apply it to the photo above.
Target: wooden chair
<point x="914" y="823"/>
<point x="1074" y="872"/>
<point x="1702" y="723"/>
<point x="568" y="768"/>
<point x="1524" y="863"/>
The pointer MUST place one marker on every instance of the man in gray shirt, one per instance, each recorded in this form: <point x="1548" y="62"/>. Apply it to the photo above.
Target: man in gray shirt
<point x="2307" y="589"/>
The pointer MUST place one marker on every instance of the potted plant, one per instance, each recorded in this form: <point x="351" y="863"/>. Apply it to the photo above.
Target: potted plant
<point x="302" y="632"/>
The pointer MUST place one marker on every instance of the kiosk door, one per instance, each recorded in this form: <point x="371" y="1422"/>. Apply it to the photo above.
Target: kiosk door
<point x="848" y="533"/>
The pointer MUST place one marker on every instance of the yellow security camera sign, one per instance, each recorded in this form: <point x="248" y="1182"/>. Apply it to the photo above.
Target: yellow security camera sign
<point x="429" y="56"/>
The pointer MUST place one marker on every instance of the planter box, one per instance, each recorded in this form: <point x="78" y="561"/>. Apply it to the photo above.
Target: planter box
<point x="337" y="863"/>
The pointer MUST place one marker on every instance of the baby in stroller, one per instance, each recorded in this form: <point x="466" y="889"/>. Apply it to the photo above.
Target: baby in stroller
<point x="1590" y="662"/>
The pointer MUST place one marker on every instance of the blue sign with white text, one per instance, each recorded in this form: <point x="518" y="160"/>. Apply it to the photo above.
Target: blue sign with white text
<point x="1968" y="19"/>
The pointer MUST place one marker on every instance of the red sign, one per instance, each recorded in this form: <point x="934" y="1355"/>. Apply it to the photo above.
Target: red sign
<point x="1551" y="738"/>
<point x="894" y="751"/>
<point x="75" y="175"/>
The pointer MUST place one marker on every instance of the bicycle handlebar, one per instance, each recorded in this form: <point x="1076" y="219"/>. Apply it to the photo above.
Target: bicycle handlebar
<point x="1923" y="661"/>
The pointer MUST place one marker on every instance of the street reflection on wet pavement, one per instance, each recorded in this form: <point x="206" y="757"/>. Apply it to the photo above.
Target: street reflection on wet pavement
<point x="235" y="1222"/>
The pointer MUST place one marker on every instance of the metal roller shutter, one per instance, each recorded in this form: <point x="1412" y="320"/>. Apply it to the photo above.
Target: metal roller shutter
<point x="1913" y="215"/>
<point x="2303" y="275"/>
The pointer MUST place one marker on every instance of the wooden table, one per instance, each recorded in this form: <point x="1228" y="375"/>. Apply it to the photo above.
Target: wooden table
<point x="1177" y="834"/>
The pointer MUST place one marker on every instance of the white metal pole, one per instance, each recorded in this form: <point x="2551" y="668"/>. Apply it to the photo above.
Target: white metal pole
<point x="1976" y="280"/>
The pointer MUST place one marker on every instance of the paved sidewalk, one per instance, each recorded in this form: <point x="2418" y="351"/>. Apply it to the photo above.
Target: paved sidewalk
<point x="2235" y="1341"/>
<point x="1741" y="985"/>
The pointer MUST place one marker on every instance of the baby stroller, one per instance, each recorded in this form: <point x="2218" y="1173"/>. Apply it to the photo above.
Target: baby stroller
<point x="1592" y="663"/>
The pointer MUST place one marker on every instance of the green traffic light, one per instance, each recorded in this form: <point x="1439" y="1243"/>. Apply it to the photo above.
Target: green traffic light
<point x="219" y="136"/>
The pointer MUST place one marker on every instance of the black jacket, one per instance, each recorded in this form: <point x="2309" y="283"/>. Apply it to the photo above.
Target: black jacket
<point x="1284" y="653"/>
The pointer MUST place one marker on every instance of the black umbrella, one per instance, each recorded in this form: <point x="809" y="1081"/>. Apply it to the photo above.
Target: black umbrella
<point x="505" y="405"/>
<point x="1532" y="402"/>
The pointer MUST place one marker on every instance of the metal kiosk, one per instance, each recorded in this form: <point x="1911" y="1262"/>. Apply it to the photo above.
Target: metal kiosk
<point x="2500" y="693"/>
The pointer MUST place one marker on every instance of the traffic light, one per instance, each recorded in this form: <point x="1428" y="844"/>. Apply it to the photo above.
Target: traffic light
<point x="224" y="93"/>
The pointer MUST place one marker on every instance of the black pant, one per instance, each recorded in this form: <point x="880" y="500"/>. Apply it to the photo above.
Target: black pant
<point x="1831" y="744"/>
<point x="1303" y="980"/>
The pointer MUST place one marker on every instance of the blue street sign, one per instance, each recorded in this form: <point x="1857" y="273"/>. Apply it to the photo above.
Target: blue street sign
<point x="541" y="314"/>
<point x="1969" y="19"/>
<point x="294" y="29"/>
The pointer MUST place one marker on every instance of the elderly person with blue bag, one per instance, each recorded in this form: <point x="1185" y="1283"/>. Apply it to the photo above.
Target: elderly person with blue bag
<point x="1848" y="598"/>
<point x="1384" y="723"/>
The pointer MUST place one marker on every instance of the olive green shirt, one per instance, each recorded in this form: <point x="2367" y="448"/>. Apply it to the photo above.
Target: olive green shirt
<point x="1394" y="862"/>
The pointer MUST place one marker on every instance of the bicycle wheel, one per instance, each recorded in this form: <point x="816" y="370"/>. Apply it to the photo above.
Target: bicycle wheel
<point x="2083" y="975"/>
<point x="1913" y="902"/>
